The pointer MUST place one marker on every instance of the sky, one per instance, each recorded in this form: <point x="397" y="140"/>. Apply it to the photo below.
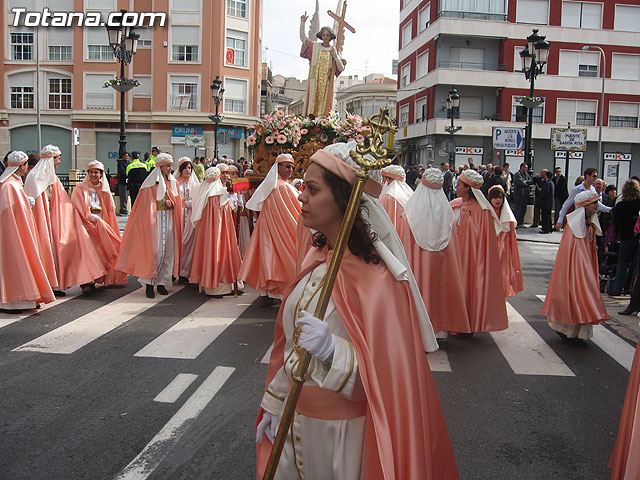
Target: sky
<point x="370" y="50"/>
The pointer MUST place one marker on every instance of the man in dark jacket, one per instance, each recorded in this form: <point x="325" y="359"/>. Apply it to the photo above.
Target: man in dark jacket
<point x="561" y="192"/>
<point x="447" y="186"/>
<point x="121" y="185"/>
<point x="547" y="201"/>
<point x="136" y="173"/>
<point x="538" y="180"/>
<point x="412" y="174"/>
<point x="495" y="178"/>
<point x="521" y="182"/>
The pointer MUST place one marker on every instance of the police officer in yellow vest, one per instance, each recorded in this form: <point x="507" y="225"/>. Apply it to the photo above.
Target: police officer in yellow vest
<point x="136" y="173"/>
<point x="151" y="163"/>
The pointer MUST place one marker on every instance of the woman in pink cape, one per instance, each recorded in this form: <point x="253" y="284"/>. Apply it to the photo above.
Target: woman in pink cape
<point x="625" y="459"/>
<point x="395" y="194"/>
<point x="368" y="408"/>
<point x="24" y="280"/>
<point x="431" y="244"/>
<point x="574" y="303"/>
<point x="93" y="201"/>
<point x="216" y="257"/>
<point x="63" y="236"/>
<point x="269" y="264"/>
<point x="512" y="280"/>
<point x="151" y="241"/>
<point x="478" y="249"/>
<point x="188" y="185"/>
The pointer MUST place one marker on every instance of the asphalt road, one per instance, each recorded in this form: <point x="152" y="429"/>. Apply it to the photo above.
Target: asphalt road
<point x="118" y="386"/>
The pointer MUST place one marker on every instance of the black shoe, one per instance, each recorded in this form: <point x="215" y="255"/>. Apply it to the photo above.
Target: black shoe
<point x="628" y="311"/>
<point x="464" y="336"/>
<point x="162" y="290"/>
<point x="443" y="343"/>
<point x="564" y="338"/>
<point x="13" y="311"/>
<point x="183" y="280"/>
<point x="217" y="296"/>
<point x="59" y="293"/>
<point x="232" y="293"/>
<point x="88" y="288"/>
<point x="613" y="294"/>
<point x="149" y="292"/>
<point x="266" y="301"/>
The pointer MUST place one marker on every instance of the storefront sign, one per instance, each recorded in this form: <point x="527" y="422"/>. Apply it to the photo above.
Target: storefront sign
<point x="618" y="156"/>
<point x="469" y="150"/>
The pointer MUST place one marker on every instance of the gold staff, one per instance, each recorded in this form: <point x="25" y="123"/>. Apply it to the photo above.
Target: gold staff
<point x="380" y="124"/>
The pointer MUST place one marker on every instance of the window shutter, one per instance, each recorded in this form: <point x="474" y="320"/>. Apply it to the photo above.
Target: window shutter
<point x="586" y="106"/>
<point x="568" y="64"/>
<point x="591" y="15"/>
<point x="620" y="109"/>
<point x="627" y="18"/>
<point x="183" y="35"/>
<point x="566" y="112"/>
<point x="62" y="36"/>
<point x="533" y="11"/>
<point x="625" y="67"/>
<point x="570" y="14"/>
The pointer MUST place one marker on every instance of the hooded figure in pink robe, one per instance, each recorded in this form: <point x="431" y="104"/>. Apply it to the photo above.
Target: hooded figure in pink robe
<point x="94" y="203"/>
<point x="574" y="303"/>
<point x="24" y="280"/>
<point x="372" y="410"/>
<point x="625" y="458"/>
<point x="512" y="279"/>
<point x="75" y="259"/>
<point x="152" y="238"/>
<point x="188" y="186"/>
<point x="431" y="244"/>
<point x="395" y="194"/>
<point x="269" y="264"/>
<point x="478" y="249"/>
<point x="216" y="257"/>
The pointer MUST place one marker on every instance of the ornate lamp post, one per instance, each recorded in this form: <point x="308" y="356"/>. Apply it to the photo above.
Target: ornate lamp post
<point x="216" y="93"/>
<point x="453" y="110"/>
<point x="124" y="42"/>
<point x="534" y="57"/>
<point x="600" y="163"/>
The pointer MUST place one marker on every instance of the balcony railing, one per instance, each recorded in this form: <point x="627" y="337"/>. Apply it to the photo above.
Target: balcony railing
<point x="494" y="67"/>
<point x="472" y="116"/>
<point x="495" y="17"/>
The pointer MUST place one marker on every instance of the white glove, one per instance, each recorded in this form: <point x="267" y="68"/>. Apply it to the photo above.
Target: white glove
<point x="32" y="201"/>
<point x="315" y="337"/>
<point x="268" y="426"/>
<point x="93" y="217"/>
<point x="188" y="203"/>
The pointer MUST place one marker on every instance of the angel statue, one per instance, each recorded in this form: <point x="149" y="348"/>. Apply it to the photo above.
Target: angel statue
<point x="324" y="63"/>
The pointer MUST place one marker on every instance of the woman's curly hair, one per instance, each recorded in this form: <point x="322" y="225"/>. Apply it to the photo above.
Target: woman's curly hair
<point x="361" y="239"/>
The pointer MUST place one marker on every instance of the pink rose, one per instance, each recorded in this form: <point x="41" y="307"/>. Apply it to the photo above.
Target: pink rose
<point x="281" y="124"/>
<point x="324" y="122"/>
<point x="304" y="131"/>
<point x="281" y="139"/>
<point x="269" y="140"/>
<point x="359" y="138"/>
<point x="280" y="113"/>
<point x="251" y="140"/>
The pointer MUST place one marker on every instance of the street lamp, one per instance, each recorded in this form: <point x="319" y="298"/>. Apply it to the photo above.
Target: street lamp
<point x="216" y="93"/>
<point x="124" y="42"/>
<point x="453" y="109"/>
<point x="534" y="57"/>
<point x="604" y="71"/>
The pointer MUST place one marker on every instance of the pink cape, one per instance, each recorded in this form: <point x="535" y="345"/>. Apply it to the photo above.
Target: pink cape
<point x="216" y="257"/>
<point x="75" y="256"/>
<point x="512" y="279"/>
<point x="270" y="261"/>
<point x="104" y="233"/>
<point x="23" y="275"/>
<point x="406" y="435"/>
<point x="481" y="273"/>
<point x="138" y="252"/>
<point x="573" y="296"/>
<point x="625" y="458"/>
<point x="439" y="277"/>
<point x="395" y="211"/>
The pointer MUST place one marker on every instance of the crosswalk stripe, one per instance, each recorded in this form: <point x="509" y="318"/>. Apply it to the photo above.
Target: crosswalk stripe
<point x="610" y="343"/>
<point x="8" y="318"/>
<point x="87" y="328"/>
<point x="193" y="334"/>
<point x="439" y="361"/>
<point x="267" y="356"/>
<point x="526" y="352"/>
<point x="178" y="385"/>
<point x="167" y="438"/>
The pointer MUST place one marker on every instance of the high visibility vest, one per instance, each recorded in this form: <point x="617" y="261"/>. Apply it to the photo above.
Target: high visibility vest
<point x="151" y="163"/>
<point x="136" y="164"/>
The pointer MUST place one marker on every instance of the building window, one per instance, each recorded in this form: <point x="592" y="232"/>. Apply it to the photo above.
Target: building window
<point x="495" y="10"/>
<point x="520" y="113"/>
<point x="424" y="17"/>
<point x="99" y="52"/>
<point x="406" y="34"/>
<point x="625" y="66"/>
<point x="623" y="115"/>
<point x="146" y="35"/>
<point x="60" y="93"/>
<point x="21" y="97"/>
<point x="184" y="96"/>
<point x="581" y="14"/>
<point x="422" y="64"/>
<point x="578" y="112"/>
<point x="61" y="53"/>
<point x="421" y="110"/>
<point x="237" y="41"/>
<point x="237" y="8"/>
<point x="627" y="18"/>
<point x="533" y="11"/>
<point x="22" y="46"/>
<point x="587" y="70"/>
<point x="404" y="116"/>
<point x="626" y="122"/>
<point x="185" y="53"/>
<point x="235" y="96"/>
<point x="585" y="118"/>
<point x="578" y="63"/>
<point x="405" y="78"/>
<point x="95" y="96"/>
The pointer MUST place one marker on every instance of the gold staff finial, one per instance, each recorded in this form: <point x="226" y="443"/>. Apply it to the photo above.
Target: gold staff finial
<point x="373" y="143"/>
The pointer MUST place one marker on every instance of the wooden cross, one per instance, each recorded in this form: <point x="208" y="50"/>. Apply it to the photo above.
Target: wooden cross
<point x="342" y="23"/>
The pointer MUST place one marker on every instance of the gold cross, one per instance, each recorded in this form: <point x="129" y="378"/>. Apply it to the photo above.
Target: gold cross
<point x="342" y="24"/>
